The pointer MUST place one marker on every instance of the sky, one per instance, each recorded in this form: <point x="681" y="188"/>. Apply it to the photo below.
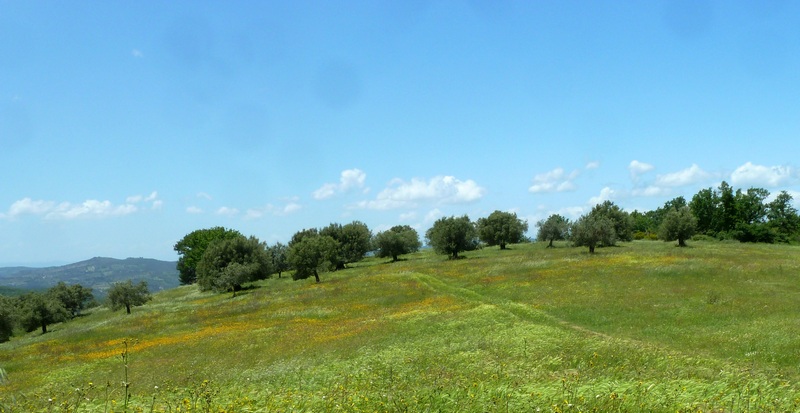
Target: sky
<point x="124" y="126"/>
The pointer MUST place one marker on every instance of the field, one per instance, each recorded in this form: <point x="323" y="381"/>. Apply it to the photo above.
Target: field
<point x="643" y="327"/>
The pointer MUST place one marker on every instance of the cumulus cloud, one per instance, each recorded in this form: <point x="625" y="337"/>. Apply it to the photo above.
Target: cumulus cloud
<point x="437" y="190"/>
<point x="651" y="190"/>
<point x="67" y="210"/>
<point x="688" y="176"/>
<point x="556" y="180"/>
<point x="637" y="168"/>
<point x="750" y="174"/>
<point x="592" y="165"/>
<point x="349" y="180"/>
<point x="606" y="194"/>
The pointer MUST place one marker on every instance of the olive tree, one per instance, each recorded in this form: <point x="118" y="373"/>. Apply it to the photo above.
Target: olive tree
<point x="501" y="228"/>
<point x="126" y="294"/>
<point x="192" y="247"/>
<point x="555" y="227"/>
<point x="451" y="235"/>
<point x="398" y="240"/>
<point x="229" y="263"/>
<point x="278" y="253"/>
<point x="353" y="239"/>
<point x="74" y="297"/>
<point x="38" y="310"/>
<point x="7" y="318"/>
<point x="592" y="230"/>
<point x="678" y="224"/>
<point x="311" y="255"/>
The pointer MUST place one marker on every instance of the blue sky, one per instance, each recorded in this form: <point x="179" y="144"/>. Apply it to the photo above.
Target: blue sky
<point x="126" y="125"/>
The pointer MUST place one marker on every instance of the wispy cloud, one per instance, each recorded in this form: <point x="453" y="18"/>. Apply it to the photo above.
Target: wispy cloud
<point x="556" y="180"/>
<point x="592" y="165"/>
<point x="437" y="190"/>
<point x="137" y="53"/>
<point x="349" y="180"/>
<point x="290" y="206"/>
<point x="227" y="211"/>
<point x="760" y="175"/>
<point x="194" y="210"/>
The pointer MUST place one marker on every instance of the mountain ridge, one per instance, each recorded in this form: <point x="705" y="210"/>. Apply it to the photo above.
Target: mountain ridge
<point x="98" y="273"/>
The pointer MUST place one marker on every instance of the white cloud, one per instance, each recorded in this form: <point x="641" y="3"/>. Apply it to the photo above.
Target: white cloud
<point x="27" y="206"/>
<point x="227" y="211"/>
<point x="276" y="210"/>
<point x="433" y="215"/>
<point x="592" y="165"/>
<point x="137" y="53"/>
<point x="606" y="194"/>
<point x="637" y="168"/>
<point x="556" y="180"/>
<point x="349" y="180"/>
<point x="760" y="175"/>
<point x="203" y="195"/>
<point x="440" y="189"/>
<point x="194" y="210"/>
<point x="688" y="176"/>
<point x="408" y="216"/>
<point x="651" y="190"/>
<point x="68" y="210"/>
<point x="153" y="197"/>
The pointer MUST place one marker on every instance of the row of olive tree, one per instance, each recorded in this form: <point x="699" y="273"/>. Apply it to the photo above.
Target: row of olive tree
<point x="62" y="302"/>
<point x="607" y="223"/>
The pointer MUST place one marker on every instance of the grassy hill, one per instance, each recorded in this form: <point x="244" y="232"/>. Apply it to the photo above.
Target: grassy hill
<point x="644" y="327"/>
<point x="98" y="273"/>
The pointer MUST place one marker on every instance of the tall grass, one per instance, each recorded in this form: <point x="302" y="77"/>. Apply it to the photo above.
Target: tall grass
<point x="644" y="327"/>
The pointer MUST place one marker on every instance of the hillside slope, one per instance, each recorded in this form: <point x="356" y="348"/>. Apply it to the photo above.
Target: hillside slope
<point x="98" y="273"/>
<point x="642" y="327"/>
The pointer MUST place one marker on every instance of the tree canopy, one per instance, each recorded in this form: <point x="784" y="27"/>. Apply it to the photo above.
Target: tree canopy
<point x="554" y="228"/>
<point x="398" y="240"/>
<point x="621" y="220"/>
<point x="501" y="228"/>
<point x="353" y="239"/>
<point x="74" y="297"/>
<point x="7" y="317"/>
<point x="38" y="310"/>
<point x="678" y="224"/>
<point x="279" y="255"/>
<point x="192" y="247"/>
<point x="451" y="235"/>
<point x="229" y="263"/>
<point x="126" y="294"/>
<point x="312" y="255"/>
<point x="592" y="230"/>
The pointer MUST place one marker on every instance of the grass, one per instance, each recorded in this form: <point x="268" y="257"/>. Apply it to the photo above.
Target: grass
<point x="644" y="327"/>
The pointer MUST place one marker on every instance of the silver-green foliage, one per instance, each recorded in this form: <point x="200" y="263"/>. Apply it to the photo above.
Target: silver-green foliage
<point x="229" y="263"/>
<point x="679" y="224"/>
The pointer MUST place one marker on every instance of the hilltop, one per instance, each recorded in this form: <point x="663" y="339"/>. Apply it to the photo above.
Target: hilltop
<point x="97" y="273"/>
<point x="644" y="326"/>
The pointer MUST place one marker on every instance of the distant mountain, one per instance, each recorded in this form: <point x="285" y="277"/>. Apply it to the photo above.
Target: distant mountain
<point x="98" y="273"/>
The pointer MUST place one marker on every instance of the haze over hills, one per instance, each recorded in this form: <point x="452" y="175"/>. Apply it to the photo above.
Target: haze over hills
<point x="97" y="273"/>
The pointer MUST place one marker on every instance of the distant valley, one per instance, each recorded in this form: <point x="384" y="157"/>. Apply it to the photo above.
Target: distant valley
<point x="97" y="273"/>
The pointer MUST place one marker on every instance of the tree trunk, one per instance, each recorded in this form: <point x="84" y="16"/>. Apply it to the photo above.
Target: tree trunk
<point x="316" y="275"/>
<point x="502" y="245"/>
<point x="455" y="255"/>
<point x="394" y="258"/>
<point x="128" y="308"/>
<point x="591" y="249"/>
<point x="681" y="242"/>
<point x="279" y="274"/>
<point x="550" y="245"/>
<point x="44" y="327"/>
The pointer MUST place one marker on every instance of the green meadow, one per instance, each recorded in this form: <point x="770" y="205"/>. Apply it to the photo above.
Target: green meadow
<point x="642" y="327"/>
